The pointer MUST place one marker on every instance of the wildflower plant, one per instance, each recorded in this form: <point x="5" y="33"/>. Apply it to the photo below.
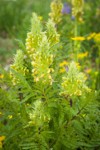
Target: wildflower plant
<point x="42" y="108"/>
<point x="40" y="47"/>
<point x="77" y="9"/>
<point x="74" y="82"/>
<point x="56" y="11"/>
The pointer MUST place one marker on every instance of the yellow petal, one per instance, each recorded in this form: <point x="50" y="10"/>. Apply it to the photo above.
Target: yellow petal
<point x="2" y="138"/>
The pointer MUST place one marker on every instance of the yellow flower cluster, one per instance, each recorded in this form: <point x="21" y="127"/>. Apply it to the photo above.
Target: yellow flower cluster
<point x="56" y="7"/>
<point x="30" y="43"/>
<point x="2" y="138"/>
<point x="40" y="48"/>
<point x="82" y="55"/>
<point x="41" y="70"/>
<point x="53" y="36"/>
<point x="18" y="66"/>
<point x="62" y="66"/>
<point x="40" y="60"/>
<point x="77" y="9"/>
<point x="64" y="63"/>
<point x="91" y="36"/>
<point x="74" y="82"/>
<point x="95" y="36"/>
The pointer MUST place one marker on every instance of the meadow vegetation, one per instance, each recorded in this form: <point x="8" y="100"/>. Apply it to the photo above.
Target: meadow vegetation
<point x="50" y="91"/>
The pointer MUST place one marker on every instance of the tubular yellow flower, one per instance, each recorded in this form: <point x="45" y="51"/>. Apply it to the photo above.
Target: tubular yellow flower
<point x="1" y="76"/>
<point x="82" y="55"/>
<point x="64" y="63"/>
<point x="95" y="36"/>
<point x="78" y="38"/>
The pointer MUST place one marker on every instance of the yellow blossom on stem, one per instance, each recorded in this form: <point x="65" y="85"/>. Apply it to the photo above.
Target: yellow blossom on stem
<point x="64" y="63"/>
<point x="78" y="38"/>
<point x="82" y="55"/>
<point x="92" y="35"/>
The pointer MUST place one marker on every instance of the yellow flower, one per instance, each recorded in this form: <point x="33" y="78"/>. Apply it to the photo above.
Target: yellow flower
<point x="92" y="35"/>
<point x="64" y="63"/>
<point x="2" y="138"/>
<point x="62" y="70"/>
<point x="78" y="93"/>
<point x="97" y="37"/>
<point x="56" y="7"/>
<point x="10" y="116"/>
<point x="78" y="65"/>
<point x="82" y="55"/>
<point x="78" y="38"/>
<point x="40" y="18"/>
<point x="36" y="79"/>
<point x="88" y="70"/>
<point x="96" y="73"/>
<point x="1" y="76"/>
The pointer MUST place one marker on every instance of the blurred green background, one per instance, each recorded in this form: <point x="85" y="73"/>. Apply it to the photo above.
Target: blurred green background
<point x="15" y="16"/>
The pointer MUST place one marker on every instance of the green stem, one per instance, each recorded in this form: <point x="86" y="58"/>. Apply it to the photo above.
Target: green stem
<point x="76" y="42"/>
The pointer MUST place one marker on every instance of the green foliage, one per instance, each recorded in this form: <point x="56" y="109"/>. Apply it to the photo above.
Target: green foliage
<point x="42" y="108"/>
<point x="15" y="16"/>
